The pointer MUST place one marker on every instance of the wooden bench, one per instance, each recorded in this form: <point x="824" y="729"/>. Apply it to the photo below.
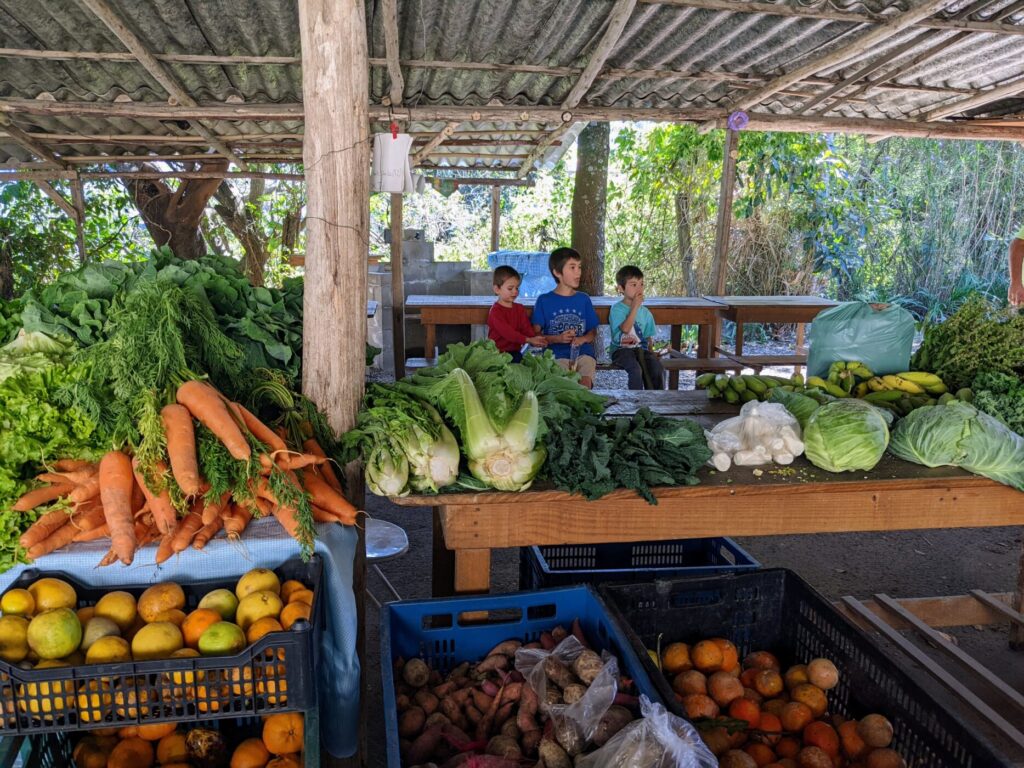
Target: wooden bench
<point x="416" y="363"/>
<point x="706" y="364"/>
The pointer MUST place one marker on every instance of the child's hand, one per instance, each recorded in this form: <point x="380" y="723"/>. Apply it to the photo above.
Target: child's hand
<point x="537" y="341"/>
<point x="566" y="337"/>
<point x="577" y="342"/>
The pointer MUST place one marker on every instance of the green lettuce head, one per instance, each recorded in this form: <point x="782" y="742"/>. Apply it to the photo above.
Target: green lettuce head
<point x="845" y="435"/>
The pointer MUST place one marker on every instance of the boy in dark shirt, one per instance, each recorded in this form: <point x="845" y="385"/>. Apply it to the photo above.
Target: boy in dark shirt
<point x="566" y="317"/>
<point x="508" y="325"/>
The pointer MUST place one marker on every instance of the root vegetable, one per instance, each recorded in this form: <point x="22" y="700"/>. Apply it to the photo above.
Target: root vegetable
<point x="506" y="648"/>
<point x="423" y="748"/>
<point x="587" y="666"/>
<point x="530" y="741"/>
<point x="59" y="538"/>
<point x="209" y="406"/>
<point x="553" y="696"/>
<point x="449" y="707"/>
<point x="115" y="481"/>
<point x="613" y="721"/>
<point x="503" y="714"/>
<point x="181" y="447"/>
<point x="493" y="663"/>
<point x="558" y="673"/>
<point x="473" y="714"/>
<point x="416" y="673"/>
<point x="559" y="633"/>
<point x="528" y="704"/>
<point x="43" y="495"/>
<point x="573" y="693"/>
<point x="568" y="736"/>
<point x="444" y="689"/>
<point x="427" y="701"/>
<point x="511" y="730"/>
<point x="411" y="722"/>
<point x="577" y="631"/>
<point x="402" y="703"/>
<point x="481" y="700"/>
<point x="503" y="746"/>
<point x="547" y="641"/>
<point x="552" y="755"/>
<point x="436" y="719"/>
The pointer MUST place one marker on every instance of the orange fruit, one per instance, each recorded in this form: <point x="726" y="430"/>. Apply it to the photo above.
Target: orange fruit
<point x="730" y="656"/>
<point x="823" y="736"/>
<point x="283" y="733"/>
<point x="174" y="615"/>
<point x="131" y="753"/>
<point x="172" y="749"/>
<point x="197" y="622"/>
<point x="274" y="686"/>
<point x="251" y="753"/>
<point x="49" y="593"/>
<point x="796" y="675"/>
<point x="745" y="709"/>
<point x="876" y="731"/>
<point x="257" y="580"/>
<point x="762" y="755"/>
<point x="301" y="596"/>
<point x="768" y="682"/>
<point x="294" y="612"/>
<point x="698" y="705"/>
<point x="260" y="627"/>
<point x="707" y="656"/>
<point x="676" y="658"/>
<point x="689" y="682"/>
<point x="823" y="673"/>
<point x="241" y="681"/>
<point x="156" y="731"/>
<point x="774" y="706"/>
<point x="289" y="587"/>
<point x="284" y="761"/>
<point x="812" y="696"/>
<point x="761" y="660"/>
<point x="156" y="641"/>
<point x="747" y="677"/>
<point x="208" y="698"/>
<point x="159" y="598"/>
<point x="770" y="727"/>
<point x="788" y="747"/>
<point x="724" y="688"/>
<point x="853" y="745"/>
<point x="119" y="607"/>
<point x="795" y="716"/>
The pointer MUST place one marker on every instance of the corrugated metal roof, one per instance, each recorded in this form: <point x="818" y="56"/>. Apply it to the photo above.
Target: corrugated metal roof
<point x="721" y="53"/>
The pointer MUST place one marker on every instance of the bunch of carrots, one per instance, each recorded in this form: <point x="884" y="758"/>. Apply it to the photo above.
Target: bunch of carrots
<point x="112" y="498"/>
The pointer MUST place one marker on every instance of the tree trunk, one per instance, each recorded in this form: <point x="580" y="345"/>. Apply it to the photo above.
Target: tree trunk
<point x="684" y="242"/>
<point x="238" y="216"/>
<point x="6" y="274"/>
<point x="589" y="204"/>
<point x="172" y="216"/>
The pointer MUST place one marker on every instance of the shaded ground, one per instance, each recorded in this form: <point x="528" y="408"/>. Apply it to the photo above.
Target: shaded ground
<point x="902" y="564"/>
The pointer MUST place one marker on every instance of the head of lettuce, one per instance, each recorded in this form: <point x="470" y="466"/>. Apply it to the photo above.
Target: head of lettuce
<point x="845" y="435"/>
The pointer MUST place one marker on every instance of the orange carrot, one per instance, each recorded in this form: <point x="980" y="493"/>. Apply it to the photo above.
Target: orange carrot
<point x="166" y="548"/>
<point x="214" y="510"/>
<point x="300" y="460"/>
<point x="324" y="496"/>
<point x="181" y="447"/>
<point x="187" y="530"/>
<point x="208" y="405"/>
<point x="59" y="538"/>
<point x="89" y="518"/>
<point x="207" y="532"/>
<point x="77" y="477"/>
<point x="87" y="490"/>
<point x="101" y="532"/>
<point x="43" y="528"/>
<point x="115" y="480"/>
<point x="321" y="515"/>
<point x="327" y="469"/>
<point x="43" y="495"/>
<point x="237" y="521"/>
<point x="164" y="514"/>
<point x="70" y="465"/>
<point x="259" y="430"/>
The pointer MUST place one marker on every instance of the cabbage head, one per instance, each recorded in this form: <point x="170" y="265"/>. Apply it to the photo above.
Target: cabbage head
<point x="960" y="435"/>
<point x="845" y="435"/>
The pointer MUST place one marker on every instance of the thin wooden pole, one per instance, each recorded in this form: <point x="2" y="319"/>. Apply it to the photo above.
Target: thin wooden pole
<point x="495" y="217"/>
<point x="397" y="286"/>
<point x="725" y="212"/>
<point x="78" y="198"/>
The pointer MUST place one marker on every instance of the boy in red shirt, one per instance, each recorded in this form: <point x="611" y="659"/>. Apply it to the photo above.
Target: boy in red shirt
<point x="508" y="325"/>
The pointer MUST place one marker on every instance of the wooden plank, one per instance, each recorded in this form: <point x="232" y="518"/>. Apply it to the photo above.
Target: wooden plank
<point x="390" y="22"/>
<point x="58" y="198"/>
<point x="442" y="562"/>
<point x="614" y="27"/>
<point x="434" y="143"/>
<point x="954" y="652"/>
<point x="78" y="197"/>
<point x="472" y="570"/>
<point x="397" y="287"/>
<point x="936" y="671"/>
<point x="26" y="141"/>
<point x="984" y="97"/>
<point x="1017" y="631"/>
<point x="724" y="225"/>
<point x="947" y="611"/>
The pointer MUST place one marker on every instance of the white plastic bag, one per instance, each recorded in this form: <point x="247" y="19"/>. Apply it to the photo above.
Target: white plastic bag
<point x="659" y="740"/>
<point x="574" y="724"/>
<point x="761" y="434"/>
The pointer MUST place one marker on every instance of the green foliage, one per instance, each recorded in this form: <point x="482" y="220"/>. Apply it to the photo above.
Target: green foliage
<point x="1002" y="396"/>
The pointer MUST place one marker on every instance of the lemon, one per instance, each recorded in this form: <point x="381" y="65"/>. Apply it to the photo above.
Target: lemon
<point x="222" y="639"/>
<point x="13" y="638"/>
<point x="55" y="633"/>
<point x="258" y="580"/>
<point x="50" y="593"/>
<point x="256" y="606"/>
<point x="119" y="607"/>
<point x="18" y="602"/>
<point x="223" y="601"/>
<point x="108" y="650"/>
<point x="97" y="627"/>
<point x="156" y="641"/>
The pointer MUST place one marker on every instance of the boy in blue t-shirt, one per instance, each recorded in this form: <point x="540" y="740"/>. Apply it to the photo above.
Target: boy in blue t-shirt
<point x="633" y="329"/>
<point x="566" y="317"/>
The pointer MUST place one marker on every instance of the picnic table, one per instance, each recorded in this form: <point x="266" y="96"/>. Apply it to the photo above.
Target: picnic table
<point x="769" y="309"/>
<point x="672" y="311"/>
<point x="893" y="496"/>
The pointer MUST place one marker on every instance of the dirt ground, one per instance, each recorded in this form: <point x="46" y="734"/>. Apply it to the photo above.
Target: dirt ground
<point x="901" y="564"/>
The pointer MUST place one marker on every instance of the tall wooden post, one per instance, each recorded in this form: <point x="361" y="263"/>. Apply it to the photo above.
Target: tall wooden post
<point x="495" y="217"/>
<point x="336" y="156"/>
<point x="397" y="286"/>
<point x="721" y="258"/>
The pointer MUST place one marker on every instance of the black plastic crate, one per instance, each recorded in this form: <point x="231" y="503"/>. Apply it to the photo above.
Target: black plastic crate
<point x="565" y="564"/>
<point x="275" y="674"/>
<point x="774" y="610"/>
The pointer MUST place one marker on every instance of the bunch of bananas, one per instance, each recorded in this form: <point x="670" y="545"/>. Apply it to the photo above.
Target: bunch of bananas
<point x="844" y="378"/>
<point x="746" y="387"/>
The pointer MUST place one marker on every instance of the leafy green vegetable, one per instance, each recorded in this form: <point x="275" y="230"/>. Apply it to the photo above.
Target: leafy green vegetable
<point x="33" y="350"/>
<point x="1002" y="396"/>
<point x="978" y="338"/>
<point x="797" y="404"/>
<point x="845" y="435"/>
<point x="594" y="456"/>
<point x="960" y="435"/>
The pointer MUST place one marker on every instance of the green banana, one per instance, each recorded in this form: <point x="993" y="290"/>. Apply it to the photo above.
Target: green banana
<point x="747" y="396"/>
<point x="713" y="391"/>
<point x="755" y="385"/>
<point x="704" y="380"/>
<point x="860" y="370"/>
<point x="731" y="396"/>
<point x="938" y="389"/>
<point x="885" y="396"/>
<point x="797" y="379"/>
<point x="770" y="382"/>
<point x="722" y="381"/>
<point x="817" y="381"/>
<point x="738" y="384"/>
<point x="835" y="391"/>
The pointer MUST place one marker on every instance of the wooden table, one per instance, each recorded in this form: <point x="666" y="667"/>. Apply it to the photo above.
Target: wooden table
<point x="895" y="495"/>
<point x="472" y="310"/>
<point x="770" y="309"/>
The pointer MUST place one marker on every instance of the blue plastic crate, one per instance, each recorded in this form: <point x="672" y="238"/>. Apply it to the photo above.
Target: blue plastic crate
<point x="556" y="566"/>
<point x="448" y="631"/>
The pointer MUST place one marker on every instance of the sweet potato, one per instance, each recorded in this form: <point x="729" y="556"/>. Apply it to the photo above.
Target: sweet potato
<point x="530" y="741"/>
<point x="553" y="696"/>
<point x="614" y="720"/>
<point x="510" y="729"/>
<point x="547" y="641"/>
<point x="568" y="736"/>
<point x="528" y="704"/>
<point x="411" y="722"/>
<point x="503" y="714"/>
<point x="436" y="719"/>
<point x="512" y="693"/>
<point x="402" y="703"/>
<point x="423" y="748"/>
<point x="473" y="714"/>
<point x="416" y="673"/>
<point x="427" y="701"/>
<point x="587" y="666"/>
<point x="506" y="648"/>
<point x="493" y="663"/>
<point x="481" y="700"/>
<point x="444" y="689"/>
<point x="558" y="673"/>
<point x="559" y="633"/>
<point x="503" y="746"/>
<point x="449" y="707"/>
<point x="577" y="632"/>
<point x="552" y="755"/>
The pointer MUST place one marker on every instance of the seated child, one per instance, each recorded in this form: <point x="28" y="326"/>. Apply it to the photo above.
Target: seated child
<point x="566" y="317"/>
<point x="508" y="325"/>
<point x="633" y="329"/>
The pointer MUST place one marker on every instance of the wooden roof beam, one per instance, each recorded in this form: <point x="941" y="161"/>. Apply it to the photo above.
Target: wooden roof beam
<point x="161" y="74"/>
<point x="391" y="46"/>
<point x="981" y="99"/>
<point x="835" y="57"/>
<point x="61" y="201"/>
<point x="26" y="141"/>
<point x="434" y="143"/>
<point x="825" y="12"/>
<point x="617" y="20"/>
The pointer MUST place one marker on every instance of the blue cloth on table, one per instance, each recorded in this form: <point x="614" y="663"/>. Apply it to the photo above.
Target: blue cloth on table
<point x="265" y="545"/>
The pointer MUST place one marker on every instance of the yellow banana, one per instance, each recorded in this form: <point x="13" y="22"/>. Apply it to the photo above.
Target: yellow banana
<point x="875" y="384"/>
<point x="903" y="385"/>
<point x="923" y="378"/>
<point x="817" y="381"/>
<point x="861" y="389"/>
<point x="937" y="389"/>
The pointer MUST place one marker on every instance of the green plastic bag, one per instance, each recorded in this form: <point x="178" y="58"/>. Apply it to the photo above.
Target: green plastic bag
<point x="855" y="330"/>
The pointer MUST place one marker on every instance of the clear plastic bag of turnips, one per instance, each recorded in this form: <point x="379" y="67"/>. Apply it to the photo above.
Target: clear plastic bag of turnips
<point x="763" y="433"/>
<point x="575" y="688"/>
<point x="658" y="740"/>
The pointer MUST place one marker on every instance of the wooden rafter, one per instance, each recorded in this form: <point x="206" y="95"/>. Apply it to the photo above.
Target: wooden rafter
<point x="617" y="19"/>
<point x="839" y="55"/>
<point x="980" y="100"/>
<point x="159" y="72"/>
<point x="61" y="201"/>
<point x="434" y="142"/>
<point x="825" y="11"/>
<point x="33" y="145"/>
<point x="397" y="86"/>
